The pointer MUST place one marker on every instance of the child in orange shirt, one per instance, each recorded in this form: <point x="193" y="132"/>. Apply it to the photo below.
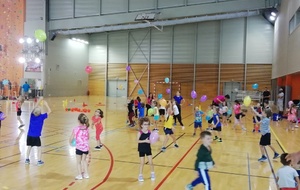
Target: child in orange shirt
<point x="96" y="121"/>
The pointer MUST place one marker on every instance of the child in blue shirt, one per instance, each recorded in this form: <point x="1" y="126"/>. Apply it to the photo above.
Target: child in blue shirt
<point x="141" y="108"/>
<point x="265" y="139"/>
<point x="217" y="124"/>
<point x="198" y="120"/>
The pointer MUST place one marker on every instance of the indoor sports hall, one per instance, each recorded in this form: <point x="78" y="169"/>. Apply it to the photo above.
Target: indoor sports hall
<point x="78" y="76"/>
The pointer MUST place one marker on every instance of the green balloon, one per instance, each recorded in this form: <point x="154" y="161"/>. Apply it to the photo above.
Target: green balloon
<point x="40" y="35"/>
<point x="150" y="112"/>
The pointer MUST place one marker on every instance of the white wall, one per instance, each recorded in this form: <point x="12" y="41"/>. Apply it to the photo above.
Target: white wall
<point x="286" y="46"/>
<point x="65" y="68"/>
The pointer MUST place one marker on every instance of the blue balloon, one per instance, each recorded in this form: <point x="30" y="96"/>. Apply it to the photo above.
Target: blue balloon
<point x="156" y="117"/>
<point x="5" y="82"/>
<point x="255" y="86"/>
<point x="73" y="143"/>
<point x="229" y="112"/>
<point x="160" y="96"/>
<point x="167" y="80"/>
<point x="207" y="118"/>
<point x="140" y="91"/>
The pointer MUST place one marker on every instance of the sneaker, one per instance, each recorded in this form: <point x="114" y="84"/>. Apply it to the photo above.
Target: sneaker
<point x="176" y="146"/>
<point x="258" y="130"/>
<point x="262" y="159"/>
<point x="86" y="176"/>
<point x="152" y="176"/>
<point x="296" y="126"/>
<point x="140" y="178"/>
<point x="189" y="187"/>
<point x="97" y="148"/>
<point x="253" y="130"/>
<point x="276" y="155"/>
<point x="216" y="138"/>
<point x="182" y="127"/>
<point x="40" y="162"/>
<point x="27" y="161"/>
<point x="174" y="124"/>
<point x="21" y="126"/>
<point x="219" y="140"/>
<point x="244" y="129"/>
<point x="194" y="134"/>
<point x="163" y="149"/>
<point x="79" y="177"/>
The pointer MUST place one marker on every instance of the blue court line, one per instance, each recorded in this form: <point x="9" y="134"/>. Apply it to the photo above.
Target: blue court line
<point x="249" y="174"/>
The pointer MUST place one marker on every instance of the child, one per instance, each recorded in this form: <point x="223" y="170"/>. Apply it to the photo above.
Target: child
<point x="156" y="114"/>
<point x="224" y="113"/>
<point x="209" y="116"/>
<point x="96" y="121"/>
<point x="238" y="115"/>
<point x="204" y="162"/>
<point x="177" y="115"/>
<point x="1" y="113"/>
<point x="168" y="128"/>
<point x="292" y="116"/>
<point x="265" y="139"/>
<point x="198" y="120"/>
<point x="162" y="109"/>
<point x="130" y="113"/>
<point x="35" y="129"/>
<point x="136" y="103"/>
<point x="19" y="104"/>
<point x="81" y="135"/>
<point x="141" y="108"/>
<point x="217" y="124"/>
<point x="255" y="124"/>
<point x="144" y="147"/>
<point x="287" y="177"/>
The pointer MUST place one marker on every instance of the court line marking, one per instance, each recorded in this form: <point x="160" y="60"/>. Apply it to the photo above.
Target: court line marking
<point x="176" y="165"/>
<point x="249" y="174"/>
<point x="271" y="166"/>
<point x="278" y="141"/>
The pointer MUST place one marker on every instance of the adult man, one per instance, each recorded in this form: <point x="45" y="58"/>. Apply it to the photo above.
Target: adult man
<point x="280" y="98"/>
<point x="266" y="95"/>
<point x="26" y="88"/>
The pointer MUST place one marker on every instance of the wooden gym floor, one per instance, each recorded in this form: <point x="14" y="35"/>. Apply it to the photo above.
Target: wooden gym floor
<point x="116" y="165"/>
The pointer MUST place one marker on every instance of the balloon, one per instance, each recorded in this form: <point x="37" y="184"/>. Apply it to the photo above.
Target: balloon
<point x="73" y="143"/>
<point x="255" y="86"/>
<point x="136" y="81"/>
<point x="156" y="117"/>
<point x="203" y="98"/>
<point x="150" y="111"/>
<point x="154" y="136"/>
<point x="163" y="102"/>
<point x="168" y="90"/>
<point x="207" y="118"/>
<point x="128" y="68"/>
<point x="88" y="69"/>
<point x="160" y="96"/>
<point x="167" y="80"/>
<point x="40" y="35"/>
<point x="2" y="116"/>
<point x="140" y="91"/>
<point x="194" y="94"/>
<point x="5" y="82"/>
<point x="229" y="112"/>
<point x="247" y="101"/>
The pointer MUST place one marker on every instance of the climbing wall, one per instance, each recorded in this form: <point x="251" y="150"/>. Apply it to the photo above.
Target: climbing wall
<point x="11" y="30"/>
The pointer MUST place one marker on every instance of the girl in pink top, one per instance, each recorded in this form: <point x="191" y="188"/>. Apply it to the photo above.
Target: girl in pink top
<point x="96" y="121"/>
<point x="19" y="103"/>
<point x="292" y="116"/>
<point x="81" y="135"/>
<point x="238" y="115"/>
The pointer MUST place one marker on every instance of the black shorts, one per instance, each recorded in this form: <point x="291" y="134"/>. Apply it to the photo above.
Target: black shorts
<point x="33" y="141"/>
<point x="217" y="129"/>
<point x="225" y="114"/>
<point x="265" y="140"/>
<point x="145" y="153"/>
<point x="237" y="116"/>
<point x="162" y="111"/>
<point x="258" y="119"/>
<point x="19" y="112"/>
<point x="211" y="120"/>
<point x="168" y="131"/>
<point x="79" y="152"/>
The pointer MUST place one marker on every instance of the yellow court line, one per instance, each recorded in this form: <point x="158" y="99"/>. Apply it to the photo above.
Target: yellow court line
<point x="280" y="143"/>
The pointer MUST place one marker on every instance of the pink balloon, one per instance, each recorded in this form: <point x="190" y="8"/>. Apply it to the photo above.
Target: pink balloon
<point x="194" y="94"/>
<point x="168" y="90"/>
<point x="203" y="98"/>
<point x="88" y="69"/>
<point x="154" y="136"/>
<point x="128" y="68"/>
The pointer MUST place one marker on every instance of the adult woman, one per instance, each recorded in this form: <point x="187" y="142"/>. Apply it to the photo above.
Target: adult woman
<point x="179" y="101"/>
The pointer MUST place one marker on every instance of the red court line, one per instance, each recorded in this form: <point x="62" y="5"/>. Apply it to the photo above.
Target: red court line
<point x="175" y="166"/>
<point x="109" y="170"/>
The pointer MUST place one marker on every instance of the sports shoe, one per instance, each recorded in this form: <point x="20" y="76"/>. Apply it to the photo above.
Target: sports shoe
<point x="163" y="149"/>
<point x="40" y="162"/>
<point x="21" y="126"/>
<point x="258" y="130"/>
<point x="276" y="155"/>
<point x="262" y="159"/>
<point x="86" y="176"/>
<point x="296" y="126"/>
<point x="97" y="148"/>
<point x="140" y="178"/>
<point x="27" y="161"/>
<point x="194" y="134"/>
<point x="216" y="138"/>
<point x="244" y="129"/>
<point x="79" y="177"/>
<point x="253" y="130"/>
<point x="182" y="127"/>
<point x="189" y="187"/>
<point x="152" y="176"/>
<point x="176" y="146"/>
<point x="220" y="140"/>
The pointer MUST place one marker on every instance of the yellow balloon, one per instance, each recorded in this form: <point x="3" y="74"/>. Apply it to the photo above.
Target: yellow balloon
<point x="247" y="101"/>
<point x="163" y="102"/>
